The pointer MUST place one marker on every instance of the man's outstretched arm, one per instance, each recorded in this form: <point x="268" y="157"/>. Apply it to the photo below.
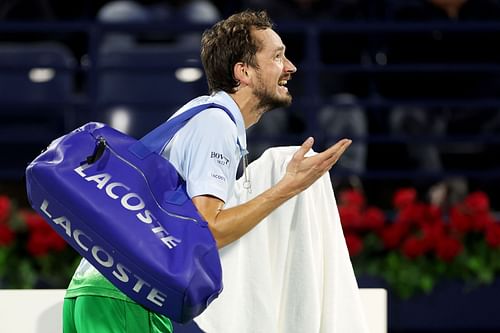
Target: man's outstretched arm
<point x="228" y="225"/>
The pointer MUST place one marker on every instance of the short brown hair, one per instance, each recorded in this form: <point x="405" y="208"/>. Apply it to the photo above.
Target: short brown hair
<point x="229" y="42"/>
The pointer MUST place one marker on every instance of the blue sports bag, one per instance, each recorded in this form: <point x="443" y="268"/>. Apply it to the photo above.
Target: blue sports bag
<point x="125" y="209"/>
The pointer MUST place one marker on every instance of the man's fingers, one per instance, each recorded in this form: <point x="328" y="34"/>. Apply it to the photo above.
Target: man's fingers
<point x="304" y="148"/>
<point x="320" y="162"/>
<point x="340" y="146"/>
<point x="332" y="154"/>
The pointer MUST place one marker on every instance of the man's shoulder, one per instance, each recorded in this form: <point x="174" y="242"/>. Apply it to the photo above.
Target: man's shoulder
<point x="214" y="120"/>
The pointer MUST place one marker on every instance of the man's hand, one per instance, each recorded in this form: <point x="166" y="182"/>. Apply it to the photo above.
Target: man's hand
<point x="227" y="225"/>
<point x="302" y="171"/>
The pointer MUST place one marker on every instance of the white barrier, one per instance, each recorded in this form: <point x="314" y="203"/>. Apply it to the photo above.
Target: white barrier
<point x="39" y="310"/>
<point x="31" y="310"/>
<point x="375" y="306"/>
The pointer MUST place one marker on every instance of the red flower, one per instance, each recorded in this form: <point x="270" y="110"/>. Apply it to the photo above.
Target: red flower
<point x="433" y="215"/>
<point x="352" y="198"/>
<point x="393" y="235"/>
<point x="42" y="237"/>
<point x="5" y="208"/>
<point x="459" y="221"/>
<point x="6" y="235"/>
<point x="412" y="214"/>
<point x="448" y="248"/>
<point x="56" y="242"/>
<point x="35" y="222"/>
<point x="482" y="220"/>
<point x="354" y="244"/>
<point x="38" y="244"/>
<point x="414" y="247"/>
<point x="404" y="197"/>
<point x="373" y="219"/>
<point x="350" y="217"/>
<point x="477" y="202"/>
<point x="432" y="234"/>
<point x="493" y="235"/>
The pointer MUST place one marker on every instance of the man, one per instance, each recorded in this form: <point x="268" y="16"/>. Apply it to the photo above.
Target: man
<point x="247" y="72"/>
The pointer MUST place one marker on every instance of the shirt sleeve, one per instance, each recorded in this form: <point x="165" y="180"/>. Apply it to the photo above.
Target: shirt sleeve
<point x="211" y="159"/>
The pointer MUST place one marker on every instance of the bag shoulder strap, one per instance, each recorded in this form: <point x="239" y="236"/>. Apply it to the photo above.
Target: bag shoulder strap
<point x="154" y="141"/>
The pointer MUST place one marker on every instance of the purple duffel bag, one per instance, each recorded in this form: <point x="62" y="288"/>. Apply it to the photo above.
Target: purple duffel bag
<point x="124" y="208"/>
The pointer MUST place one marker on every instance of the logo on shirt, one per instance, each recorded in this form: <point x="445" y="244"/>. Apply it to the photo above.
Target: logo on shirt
<point x="219" y="158"/>
<point x="219" y="177"/>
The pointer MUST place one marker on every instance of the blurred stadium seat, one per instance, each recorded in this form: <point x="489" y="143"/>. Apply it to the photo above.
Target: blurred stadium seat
<point x="35" y="72"/>
<point x="140" y="87"/>
<point x="36" y="84"/>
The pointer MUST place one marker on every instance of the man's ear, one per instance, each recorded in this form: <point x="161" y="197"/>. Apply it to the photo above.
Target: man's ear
<point x="241" y="73"/>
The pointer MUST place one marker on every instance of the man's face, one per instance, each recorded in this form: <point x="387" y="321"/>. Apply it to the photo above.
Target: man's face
<point x="273" y="72"/>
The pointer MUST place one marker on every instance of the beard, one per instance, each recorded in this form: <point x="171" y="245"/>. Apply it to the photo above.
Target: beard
<point x="270" y="100"/>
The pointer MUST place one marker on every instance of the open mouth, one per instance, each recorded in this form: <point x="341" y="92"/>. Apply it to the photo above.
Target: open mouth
<point x="282" y="84"/>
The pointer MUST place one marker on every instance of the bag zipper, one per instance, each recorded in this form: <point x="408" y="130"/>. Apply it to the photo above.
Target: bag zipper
<point x="102" y="139"/>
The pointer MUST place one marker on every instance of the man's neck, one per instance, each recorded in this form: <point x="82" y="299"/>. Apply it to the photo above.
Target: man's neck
<point x="247" y="104"/>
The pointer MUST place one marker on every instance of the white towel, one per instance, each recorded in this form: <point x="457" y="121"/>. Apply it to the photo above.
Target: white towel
<point x="292" y="272"/>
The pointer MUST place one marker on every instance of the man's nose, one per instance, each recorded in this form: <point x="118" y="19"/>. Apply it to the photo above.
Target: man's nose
<point x="289" y="66"/>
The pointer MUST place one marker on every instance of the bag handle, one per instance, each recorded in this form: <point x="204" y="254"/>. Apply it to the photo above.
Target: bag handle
<point x="157" y="139"/>
<point x="98" y="151"/>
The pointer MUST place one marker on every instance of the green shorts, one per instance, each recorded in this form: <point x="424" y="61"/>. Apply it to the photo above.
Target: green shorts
<point x="97" y="314"/>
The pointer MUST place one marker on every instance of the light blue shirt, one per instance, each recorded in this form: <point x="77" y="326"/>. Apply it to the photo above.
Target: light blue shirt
<point x="205" y="151"/>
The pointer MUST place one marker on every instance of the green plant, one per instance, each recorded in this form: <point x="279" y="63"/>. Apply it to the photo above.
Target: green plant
<point x="31" y="253"/>
<point x="417" y="245"/>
